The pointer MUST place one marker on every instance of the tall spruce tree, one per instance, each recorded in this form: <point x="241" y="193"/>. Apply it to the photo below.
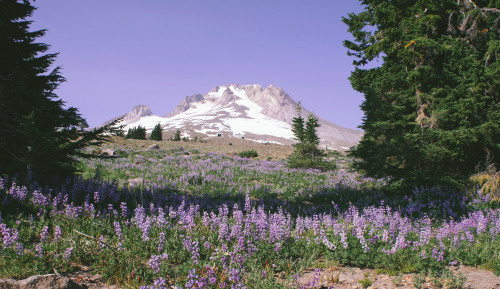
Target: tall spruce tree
<point x="298" y="125"/>
<point x="307" y="153"/>
<point x="157" y="132"/>
<point x="431" y="110"/>
<point x="36" y="131"/>
<point x="138" y="132"/>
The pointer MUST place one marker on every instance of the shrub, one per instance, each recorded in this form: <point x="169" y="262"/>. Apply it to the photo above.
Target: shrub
<point x="177" y="136"/>
<point x="248" y="154"/>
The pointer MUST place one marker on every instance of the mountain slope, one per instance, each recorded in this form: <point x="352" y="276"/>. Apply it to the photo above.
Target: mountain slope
<point x="257" y="113"/>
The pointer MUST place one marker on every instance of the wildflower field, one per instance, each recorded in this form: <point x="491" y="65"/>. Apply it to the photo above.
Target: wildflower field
<point x="177" y="218"/>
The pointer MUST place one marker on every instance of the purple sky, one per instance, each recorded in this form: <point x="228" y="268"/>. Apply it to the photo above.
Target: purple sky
<point x="118" y="54"/>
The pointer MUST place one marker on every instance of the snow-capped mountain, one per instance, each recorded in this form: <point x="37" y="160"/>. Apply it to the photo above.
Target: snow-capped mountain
<point x="250" y="111"/>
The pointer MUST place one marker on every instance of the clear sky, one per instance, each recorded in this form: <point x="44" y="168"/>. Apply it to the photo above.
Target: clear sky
<point x="118" y="54"/>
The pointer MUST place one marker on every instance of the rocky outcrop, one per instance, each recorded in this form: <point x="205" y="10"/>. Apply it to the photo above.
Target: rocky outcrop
<point x="185" y="104"/>
<point x="137" y="113"/>
<point x="153" y="147"/>
<point x="41" y="281"/>
<point x="236" y="110"/>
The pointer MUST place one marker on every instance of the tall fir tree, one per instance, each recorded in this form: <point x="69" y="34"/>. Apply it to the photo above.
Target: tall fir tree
<point x="307" y="153"/>
<point x="177" y="136"/>
<point x="137" y="132"/>
<point x="157" y="132"/>
<point x="311" y="130"/>
<point x="431" y="110"/>
<point x="36" y="131"/>
<point x="298" y="125"/>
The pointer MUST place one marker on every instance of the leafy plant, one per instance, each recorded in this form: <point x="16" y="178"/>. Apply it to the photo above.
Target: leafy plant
<point x="366" y="282"/>
<point x="248" y="154"/>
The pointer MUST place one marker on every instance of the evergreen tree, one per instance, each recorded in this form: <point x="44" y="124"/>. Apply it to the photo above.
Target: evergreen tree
<point x="137" y="132"/>
<point x="310" y="132"/>
<point x="36" y="131"/>
<point x="177" y="136"/>
<point x="432" y="108"/>
<point x="307" y="153"/>
<point x="298" y="125"/>
<point x="311" y="139"/>
<point x="157" y="132"/>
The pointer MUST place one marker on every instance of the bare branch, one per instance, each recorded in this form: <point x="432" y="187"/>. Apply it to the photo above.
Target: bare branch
<point x="95" y="239"/>
<point x="420" y="15"/>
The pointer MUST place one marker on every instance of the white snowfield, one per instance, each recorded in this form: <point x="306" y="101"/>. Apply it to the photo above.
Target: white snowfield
<point x="250" y="111"/>
<point x="212" y="116"/>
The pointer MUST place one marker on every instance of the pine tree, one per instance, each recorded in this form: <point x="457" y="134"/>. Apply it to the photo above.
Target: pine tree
<point x="177" y="136"/>
<point x="432" y="108"/>
<point x="298" y="125"/>
<point x="310" y="132"/>
<point x="306" y="153"/>
<point x="311" y="139"/>
<point x="137" y="132"/>
<point x="157" y="132"/>
<point x="36" y="131"/>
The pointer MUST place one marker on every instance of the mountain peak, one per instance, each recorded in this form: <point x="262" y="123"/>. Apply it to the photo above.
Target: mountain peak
<point x="259" y="114"/>
<point x="137" y="113"/>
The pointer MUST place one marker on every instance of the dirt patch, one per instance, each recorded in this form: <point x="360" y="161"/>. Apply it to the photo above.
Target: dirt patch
<point x="348" y="277"/>
<point x="222" y="145"/>
<point x="85" y="277"/>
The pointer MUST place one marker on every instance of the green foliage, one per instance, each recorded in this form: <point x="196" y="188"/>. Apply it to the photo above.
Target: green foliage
<point x="157" y="132"/>
<point x="298" y="125"/>
<point x="248" y="154"/>
<point x="310" y="132"/>
<point x="365" y="283"/>
<point x="306" y="153"/>
<point x="137" y="132"/>
<point x="177" y="136"/>
<point x="433" y="106"/>
<point x="36" y="131"/>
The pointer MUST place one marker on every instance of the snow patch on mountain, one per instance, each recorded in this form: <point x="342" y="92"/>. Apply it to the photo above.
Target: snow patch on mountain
<point x="260" y="114"/>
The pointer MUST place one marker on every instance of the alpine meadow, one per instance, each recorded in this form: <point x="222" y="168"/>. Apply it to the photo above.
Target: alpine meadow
<point x="242" y="187"/>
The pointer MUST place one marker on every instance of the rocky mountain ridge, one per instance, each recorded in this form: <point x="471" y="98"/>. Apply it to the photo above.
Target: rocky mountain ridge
<point x="233" y="110"/>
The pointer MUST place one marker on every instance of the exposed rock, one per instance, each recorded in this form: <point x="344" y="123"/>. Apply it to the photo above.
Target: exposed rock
<point x="242" y="110"/>
<point x="153" y="147"/>
<point x="108" y="152"/>
<point x="185" y="104"/>
<point x="41" y="281"/>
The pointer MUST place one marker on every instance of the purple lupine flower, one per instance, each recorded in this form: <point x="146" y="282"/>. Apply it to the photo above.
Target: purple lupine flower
<point x="57" y="233"/>
<point x="124" y="209"/>
<point x="212" y="276"/>
<point x="67" y="254"/>
<point x="39" y="251"/>
<point x="20" y="249"/>
<point x="18" y="193"/>
<point x="9" y="236"/>
<point x="192" y="279"/>
<point x="44" y="234"/>
<point x="101" y="244"/>
<point x="38" y="199"/>
<point x="161" y="242"/>
<point x="159" y="283"/>
<point x="118" y="230"/>
<point x="155" y="262"/>
<point x="192" y="247"/>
